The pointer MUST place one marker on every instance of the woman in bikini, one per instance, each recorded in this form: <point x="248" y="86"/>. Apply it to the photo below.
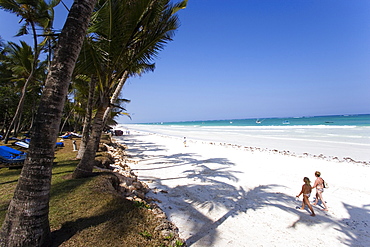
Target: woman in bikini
<point x="306" y="191"/>
<point x="319" y="185"/>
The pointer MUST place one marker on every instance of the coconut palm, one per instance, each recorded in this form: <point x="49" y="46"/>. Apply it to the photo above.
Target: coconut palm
<point x="8" y="92"/>
<point x="26" y="222"/>
<point x="19" y="59"/>
<point x="33" y="13"/>
<point x="88" y="116"/>
<point x="153" y="46"/>
<point x="127" y="37"/>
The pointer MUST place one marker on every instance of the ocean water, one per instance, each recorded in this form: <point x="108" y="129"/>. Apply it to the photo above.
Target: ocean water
<point x="338" y="120"/>
<point x="331" y="136"/>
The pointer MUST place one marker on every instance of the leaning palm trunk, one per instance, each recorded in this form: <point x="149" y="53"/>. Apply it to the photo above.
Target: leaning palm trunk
<point x="66" y="120"/>
<point x="88" y="117"/>
<point x="19" y="110"/>
<point x="86" y="164"/>
<point x="115" y="95"/>
<point x="19" y="124"/>
<point x="26" y="222"/>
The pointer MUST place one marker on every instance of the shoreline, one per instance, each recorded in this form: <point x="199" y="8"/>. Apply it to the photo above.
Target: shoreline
<point x="266" y="146"/>
<point x="276" y="151"/>
<point x="221" y="195"/>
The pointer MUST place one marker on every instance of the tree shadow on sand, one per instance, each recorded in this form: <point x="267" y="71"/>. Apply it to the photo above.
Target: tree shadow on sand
<point x="220" y="183"/>
<point x="139" y="147"/>
<point x="356" y="226"/>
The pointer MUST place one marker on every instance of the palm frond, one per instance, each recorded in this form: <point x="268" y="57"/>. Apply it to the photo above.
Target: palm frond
<point x="22" y="31"/>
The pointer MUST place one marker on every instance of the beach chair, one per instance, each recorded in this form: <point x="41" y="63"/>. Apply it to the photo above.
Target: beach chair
<point x="11" y="157"/>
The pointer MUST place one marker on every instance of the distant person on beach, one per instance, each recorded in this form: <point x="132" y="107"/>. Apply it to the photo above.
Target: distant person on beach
<point x="306" y="191"/>
<point x="319" y="185"/>
<point x="184" y="141"/>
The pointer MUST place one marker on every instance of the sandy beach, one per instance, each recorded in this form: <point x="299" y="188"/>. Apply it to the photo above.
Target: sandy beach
<point x="221" y="195"/>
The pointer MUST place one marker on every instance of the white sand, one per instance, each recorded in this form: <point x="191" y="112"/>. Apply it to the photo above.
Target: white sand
<point x="225" y="196"/>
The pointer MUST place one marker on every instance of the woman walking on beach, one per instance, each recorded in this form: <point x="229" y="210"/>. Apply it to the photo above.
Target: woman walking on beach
<point x="319" y="185"/>
<point x="306" y="191"/>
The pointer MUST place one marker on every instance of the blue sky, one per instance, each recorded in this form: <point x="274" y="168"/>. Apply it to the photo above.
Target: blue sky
<point x="255" y="59"/>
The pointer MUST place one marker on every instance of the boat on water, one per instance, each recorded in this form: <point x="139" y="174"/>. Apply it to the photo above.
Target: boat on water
<point x="286" y="122"/>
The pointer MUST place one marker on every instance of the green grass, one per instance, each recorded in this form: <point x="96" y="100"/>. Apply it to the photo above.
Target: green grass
<point x="89" y="211"/>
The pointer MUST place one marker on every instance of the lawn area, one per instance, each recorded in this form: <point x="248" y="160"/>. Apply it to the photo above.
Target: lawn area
<point x="89" y="211"/>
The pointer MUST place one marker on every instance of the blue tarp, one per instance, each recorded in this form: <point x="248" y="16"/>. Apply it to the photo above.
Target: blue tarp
<point x="10" y="155"/>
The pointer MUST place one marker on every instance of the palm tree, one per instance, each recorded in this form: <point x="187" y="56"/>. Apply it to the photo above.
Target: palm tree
<point x="155" y="44"/>
<point x="19" y="59"/>
<point x="33" y="13"/>
<point x="8" y="94"/>
<point x="26" y="222"/>
<point x="127" y="36"/>
<point x="88" y="116"/>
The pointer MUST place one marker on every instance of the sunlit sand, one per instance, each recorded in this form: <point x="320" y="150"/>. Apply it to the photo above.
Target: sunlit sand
<point x="221" y="195"/>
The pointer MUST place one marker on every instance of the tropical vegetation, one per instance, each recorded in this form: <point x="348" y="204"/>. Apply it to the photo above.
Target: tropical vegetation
<point x="89" y="211"/>
<point x="44" y="87"/>
<point x="114" y="50"/>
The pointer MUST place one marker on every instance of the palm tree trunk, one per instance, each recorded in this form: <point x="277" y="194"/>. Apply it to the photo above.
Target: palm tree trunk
<point x="26" y="222"/>
<point x="19" y="110"/>
<point x="66" y="120"/>
<point x="115" y="95"/>
<point x="32" y="119"/>
<point x="18" y="125"/>
<point x="86" y="164"/>
<point x="88" y="117"/>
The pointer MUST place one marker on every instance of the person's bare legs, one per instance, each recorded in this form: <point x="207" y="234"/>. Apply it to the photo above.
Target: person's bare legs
<point x="316" y="199"/>
<point x="307" y="202"/>
<point x="322" y="200"/>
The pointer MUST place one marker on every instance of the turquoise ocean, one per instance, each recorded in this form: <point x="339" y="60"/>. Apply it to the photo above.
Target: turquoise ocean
<point x="345" y="136"/>
<point x="339" y="120"/>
